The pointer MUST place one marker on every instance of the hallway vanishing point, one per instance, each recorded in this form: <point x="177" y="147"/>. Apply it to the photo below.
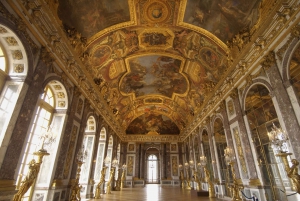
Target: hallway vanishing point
<point x="153" y="192"/>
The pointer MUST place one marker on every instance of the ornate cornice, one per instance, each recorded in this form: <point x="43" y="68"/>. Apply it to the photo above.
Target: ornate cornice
<point x="269" y="60"/>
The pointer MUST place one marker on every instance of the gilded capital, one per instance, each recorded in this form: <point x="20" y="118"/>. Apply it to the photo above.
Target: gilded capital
<point x="269" y="60"/>
<point x="46" y="57"/>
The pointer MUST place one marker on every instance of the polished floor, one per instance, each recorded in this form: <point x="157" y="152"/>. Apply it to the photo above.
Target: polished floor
<point x="153" y="192"/>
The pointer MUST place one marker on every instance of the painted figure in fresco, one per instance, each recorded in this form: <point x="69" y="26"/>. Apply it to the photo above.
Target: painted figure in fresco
<point x="294" y="175"/>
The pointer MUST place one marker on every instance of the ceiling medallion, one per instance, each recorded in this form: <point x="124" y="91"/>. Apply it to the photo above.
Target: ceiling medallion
<point x="156" y="11"/>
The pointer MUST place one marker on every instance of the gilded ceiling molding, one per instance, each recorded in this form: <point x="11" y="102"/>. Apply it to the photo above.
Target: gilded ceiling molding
<point x="132" y="22"/>
<point x="46" y="57"/>
<point x="269" y="60"/>
<point x="240" y="40"/>
<point x="21" y="27"/>
<point x="295" y="33"/>
<point x="64" y="55"/>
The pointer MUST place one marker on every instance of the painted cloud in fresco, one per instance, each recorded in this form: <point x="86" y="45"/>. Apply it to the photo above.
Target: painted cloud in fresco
<point x="154" y="74"/>
<point x="223" y="18"/>
<point x="90" y="17"/>
<point x="151" y="122"/>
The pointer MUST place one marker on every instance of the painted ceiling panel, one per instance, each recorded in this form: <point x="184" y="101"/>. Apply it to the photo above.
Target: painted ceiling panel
<point x="90" y="17"/>
<point x="157" y="62"/>
<point x="223" y="18"/>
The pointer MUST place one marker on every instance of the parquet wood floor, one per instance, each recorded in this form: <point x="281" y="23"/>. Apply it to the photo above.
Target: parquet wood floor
<point x="153" y="192"/>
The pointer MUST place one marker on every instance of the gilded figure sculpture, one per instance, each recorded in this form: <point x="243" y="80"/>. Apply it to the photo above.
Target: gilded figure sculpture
<point x="28" y="181"/>
<point x="102" y="179"/>
<point x="293" y="174"/>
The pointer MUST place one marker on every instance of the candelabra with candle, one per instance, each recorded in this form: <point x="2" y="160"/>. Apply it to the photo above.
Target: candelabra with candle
<point x="235" y="187"/>
<point x="34" y="165"/>
<point x="211" y="189"/>
<point x="75" y="189"/>
<point x="110" y="182"/>
<point x="278" y="138"/>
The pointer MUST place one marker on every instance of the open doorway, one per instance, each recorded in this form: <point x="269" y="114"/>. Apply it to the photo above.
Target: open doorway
<point x="152" y="169"/>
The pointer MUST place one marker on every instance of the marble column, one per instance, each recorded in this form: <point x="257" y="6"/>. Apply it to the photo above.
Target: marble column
<point x="230" y="141"/>
<point x="66" y="135"/>
<point x="252" y="172"/>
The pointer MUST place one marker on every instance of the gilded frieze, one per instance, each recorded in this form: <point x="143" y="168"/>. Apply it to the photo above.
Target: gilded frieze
<point x="240" y="150"/>
<point x="11" y="41"/>
<point x="156" y="38"/>
<point x="17" y="54"/>
<point x="174" y="160"/>
<point x="19" y="68"/>
<point x="70" y="152"/>
<point x="3" y="30"/>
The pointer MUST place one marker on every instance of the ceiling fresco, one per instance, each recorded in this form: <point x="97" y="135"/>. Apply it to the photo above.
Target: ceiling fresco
<point x="90" y="17"/>
<point x="223" y="18"/>
<point x="152" y="123"/>
<point x="155" y="73"/>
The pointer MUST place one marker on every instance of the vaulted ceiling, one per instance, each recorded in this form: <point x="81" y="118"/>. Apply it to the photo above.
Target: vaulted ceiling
<point x="156" y="63"/>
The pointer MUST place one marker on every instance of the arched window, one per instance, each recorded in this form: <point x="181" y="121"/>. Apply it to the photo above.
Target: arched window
<point x="88" y="143"/>
<point x="44" y="133"/>
<point x="13" y="71"/>
<point x="2" y="60"/>
<point x="100" y="156"/>
<point x="261" y="115"/>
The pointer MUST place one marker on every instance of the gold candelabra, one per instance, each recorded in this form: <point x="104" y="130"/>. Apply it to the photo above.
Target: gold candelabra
<point x="181" y="177"/>
<point x="110" y="183"/>
<point x="102" y="180"/>
<point x="75" y="189"/>
<point x="235" y="187"/>
<point x="188" y="179"/>
<point x="29" y="180"/>
<point x="118" y="182"/>
<point x="123" y="175"/>
<point x="278" y="139"/>
<point x="197" y="179"/>
<point x="211" y="189"/>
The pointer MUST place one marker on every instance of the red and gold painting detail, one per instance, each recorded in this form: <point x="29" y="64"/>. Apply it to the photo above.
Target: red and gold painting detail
<point x="154" y="74"/>
<point x="90" y="17"/>
<point x="153" y="123"/>
<point x="223" y="18"/>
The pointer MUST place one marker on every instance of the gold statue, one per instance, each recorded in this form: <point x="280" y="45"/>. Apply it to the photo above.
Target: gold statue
<point x="211" y="188"/>
<point x="110" y="181"/>
<point x="75" y="192"/>
<point x="181" y="178"/>
<point x="28" y="181"/>
<point x="102" y="179"/>
<point x="199" y="187"/>
<point x="292" y="173"/>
